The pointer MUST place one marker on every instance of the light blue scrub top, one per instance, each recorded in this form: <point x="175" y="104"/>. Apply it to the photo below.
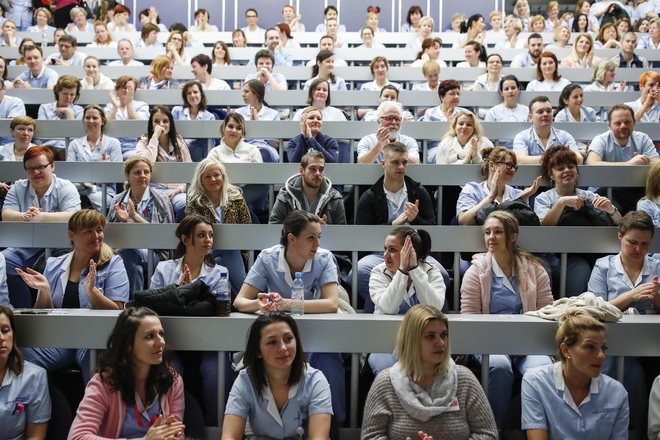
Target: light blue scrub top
<point x="169" y="272"/>
<point x="23" y="399"/>
<point x="504" y="294"/>
<point x="608" y="279"/>
<point x="529" y="142"/>
<point x="652" y="209"/>
<point x="546" y="404"/>
<point x="271" y="273"/>
<point x="474" y="192"/>
<point x="111" y="280"/>
<point x="131" y="428"/>
<point x="544" y="202"/>
<point x="610" y="151"/>
<point x="308" y="397"/>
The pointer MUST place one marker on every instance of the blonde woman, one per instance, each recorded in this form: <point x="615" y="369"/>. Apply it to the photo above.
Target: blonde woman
<point x="582" y="54"/>
<point x="425" y="394"/>
<point x="464" y="140"/>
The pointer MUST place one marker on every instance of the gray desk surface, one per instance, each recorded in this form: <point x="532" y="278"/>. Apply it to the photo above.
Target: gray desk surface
<point x="488" y="334"/>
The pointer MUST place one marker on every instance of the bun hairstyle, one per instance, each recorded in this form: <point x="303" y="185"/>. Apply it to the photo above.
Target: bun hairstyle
<point x="572" y="325"/>
<point x="495" y="154"/>
<point x="421" y="240"/>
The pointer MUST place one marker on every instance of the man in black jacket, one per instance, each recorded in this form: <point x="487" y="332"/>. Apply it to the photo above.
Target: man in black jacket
<point x="395" y="199"/>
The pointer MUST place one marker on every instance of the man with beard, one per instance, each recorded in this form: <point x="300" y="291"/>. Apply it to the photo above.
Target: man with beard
<point x="529" y="145"/>
<point x="534" y="49"/>
<point x="621" y="144"/>
<point x="310" y="191"/>
<point x="370" y="148"/>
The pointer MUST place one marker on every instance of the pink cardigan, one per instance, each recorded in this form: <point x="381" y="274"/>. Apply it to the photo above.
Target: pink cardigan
<point x="101" y="412"/>
<point x="534" y="285"/>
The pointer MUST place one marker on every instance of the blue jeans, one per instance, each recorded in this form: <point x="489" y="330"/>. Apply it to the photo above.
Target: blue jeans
<point x="53" y="359"/>
<point x="500" y="379"/>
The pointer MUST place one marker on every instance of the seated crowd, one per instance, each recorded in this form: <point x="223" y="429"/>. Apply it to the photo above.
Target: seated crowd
<point x="137" y="390"/>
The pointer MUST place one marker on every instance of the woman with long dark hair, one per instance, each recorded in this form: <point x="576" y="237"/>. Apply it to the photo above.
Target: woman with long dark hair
<point x="194" y="109"/>
<point x="135" y="392"/>
<point x="323" y="68"/>
<point x="277" y="372"/>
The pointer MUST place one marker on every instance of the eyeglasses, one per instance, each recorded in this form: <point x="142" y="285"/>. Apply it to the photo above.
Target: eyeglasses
<point x="509" y="165"/>
<point x="391" y="118"/>
<point x="38" y="168"/>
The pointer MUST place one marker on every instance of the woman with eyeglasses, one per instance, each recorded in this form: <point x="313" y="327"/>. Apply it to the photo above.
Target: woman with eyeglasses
<point x="505" y="280"/>
<point x="498" y="167"/>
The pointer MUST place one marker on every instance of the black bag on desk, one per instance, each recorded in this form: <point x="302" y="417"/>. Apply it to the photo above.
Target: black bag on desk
<point x="585" y="216"/>
<point x="193" y="299"/>
<point x="520" y="210"/>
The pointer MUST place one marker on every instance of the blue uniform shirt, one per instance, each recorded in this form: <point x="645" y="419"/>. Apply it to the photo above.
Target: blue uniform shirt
<point x="80" y="151"/>
<point x="652" y="208"/>
<point x="111" y="280"/>
<point x="608" y="279"/>
<point x="45" y="80"/>
<point x="308" y="397"/>
<point x="528" y="140"/>
<point x="547" y="199"/>
<point x="504" y="294"/>
<point x="271" y="273"/>
<point x="547" y="405"/>
<point x="23" y="399"/>
<point x="610" y="151"/>
<point x="474" y="192"/>
<point x="61" y="196"/>
<point x="169" y="272"/>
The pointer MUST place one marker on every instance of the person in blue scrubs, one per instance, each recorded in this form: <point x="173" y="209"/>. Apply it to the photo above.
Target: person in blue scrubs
<point x="194" y="109"/>
<point x="560" y="167"/>
<point x="90" y="277"/>
<point x="277" y="393"/>
<point x="24" y="399"/>
<point x="505" y="280"/>
<point x="268" y="284"/>
<point x="193" y="261"/>
<point x="41" y="197"/>
<point x="629" y="281"/>
<point x="571" y="399"/>
<point x="650" y="203"/>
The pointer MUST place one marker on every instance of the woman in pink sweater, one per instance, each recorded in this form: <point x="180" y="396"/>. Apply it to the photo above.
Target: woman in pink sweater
<point x="136" y="392"/>
<point x="505" y="280"/>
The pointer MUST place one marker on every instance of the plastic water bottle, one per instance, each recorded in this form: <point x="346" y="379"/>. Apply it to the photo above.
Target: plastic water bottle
<point x="298" y="296"/>
<point x="223" y="297"/>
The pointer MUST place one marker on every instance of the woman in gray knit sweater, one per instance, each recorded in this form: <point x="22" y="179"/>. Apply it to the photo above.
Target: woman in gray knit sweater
<point x="425" y="393"/>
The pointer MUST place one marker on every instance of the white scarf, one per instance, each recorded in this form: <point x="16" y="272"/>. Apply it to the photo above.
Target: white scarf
<point x="423" y="404"/>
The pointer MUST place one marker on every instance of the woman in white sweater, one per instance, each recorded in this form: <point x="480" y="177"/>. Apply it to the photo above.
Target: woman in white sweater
<point x="403" y="280"/>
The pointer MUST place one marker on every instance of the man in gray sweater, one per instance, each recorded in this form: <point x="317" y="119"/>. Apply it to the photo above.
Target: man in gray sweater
<point x="311" y="191"/>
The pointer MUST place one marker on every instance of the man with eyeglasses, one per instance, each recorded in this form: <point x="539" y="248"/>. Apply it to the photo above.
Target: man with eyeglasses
<point x="42" y="197"/>
<point x="529" y="145"/>
<point x="252" y="21"/>
<point x="389" y="115"/>
<point x="68" y="54"/>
